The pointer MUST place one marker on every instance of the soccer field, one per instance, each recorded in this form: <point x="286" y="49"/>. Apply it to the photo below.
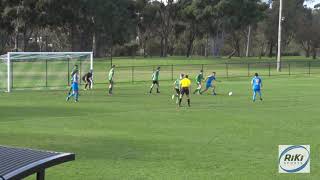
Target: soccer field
<point x="132" y="135"/>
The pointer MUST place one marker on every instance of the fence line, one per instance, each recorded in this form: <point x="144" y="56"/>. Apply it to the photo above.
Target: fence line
<point x="57" y="73"/>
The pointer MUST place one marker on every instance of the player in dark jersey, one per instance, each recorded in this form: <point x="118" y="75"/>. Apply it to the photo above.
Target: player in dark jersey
<point x="87" y="78"/>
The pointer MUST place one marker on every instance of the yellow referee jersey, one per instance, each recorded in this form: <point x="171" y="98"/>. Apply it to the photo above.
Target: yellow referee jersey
<point x="185" y="83"/>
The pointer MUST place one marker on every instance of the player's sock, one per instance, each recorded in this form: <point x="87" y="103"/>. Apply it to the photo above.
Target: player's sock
<point x="69" y="96"/>
<point x="158" y="90"/>
<point x="180" y="100"/>
<point x="254" y="96"/>
<point x="195" y="91"/>
<point x="260" y="95"/>
<point x="214" y="92"/>
<point x="77" y="97"/>
<point x="70" y="90"/>
<point x="189" y="102"/>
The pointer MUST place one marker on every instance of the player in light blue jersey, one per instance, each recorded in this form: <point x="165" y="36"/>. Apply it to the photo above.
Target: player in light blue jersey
<point x="75" y="87"/>
<point x="210" y="83"/>
<point x="256" y="83"/>
<point x="74" y="70"/>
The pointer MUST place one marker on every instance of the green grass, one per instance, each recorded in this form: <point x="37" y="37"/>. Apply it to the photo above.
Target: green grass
<point x="132" y="135"/>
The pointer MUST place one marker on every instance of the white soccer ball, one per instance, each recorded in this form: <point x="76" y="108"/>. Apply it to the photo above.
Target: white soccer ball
<point x="230" y="93"/>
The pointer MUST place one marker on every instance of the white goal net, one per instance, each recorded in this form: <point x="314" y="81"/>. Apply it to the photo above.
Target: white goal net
<point x="36" y="70"/>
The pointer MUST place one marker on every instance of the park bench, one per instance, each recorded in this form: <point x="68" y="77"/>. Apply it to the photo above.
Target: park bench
<point x="18" y="163"/>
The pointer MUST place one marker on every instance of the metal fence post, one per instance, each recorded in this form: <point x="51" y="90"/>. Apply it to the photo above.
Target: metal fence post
<point x="309" y="68"/>
<point x="132" y="74"/>
<point x="227" y="70"/>
<point x="12" y="80"/>
<point x="46" y="73"/>
<point x="80" y="70"/>
<point x="172" y="72"/>
<point x="289" y="66"/>
<point x="202" y="67"/>
<point x="68" y="78"/>
<point x="269" y="69"/>
<point x="248" y="69"/>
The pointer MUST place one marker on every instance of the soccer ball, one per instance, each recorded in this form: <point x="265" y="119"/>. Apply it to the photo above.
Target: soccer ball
<point x="230" y="93"/>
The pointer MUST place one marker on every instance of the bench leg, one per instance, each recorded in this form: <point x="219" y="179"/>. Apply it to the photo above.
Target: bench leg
<point x="40" y="175"/>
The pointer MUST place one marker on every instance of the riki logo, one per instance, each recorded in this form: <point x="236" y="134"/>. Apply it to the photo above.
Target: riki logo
<point x="294" y="159"/>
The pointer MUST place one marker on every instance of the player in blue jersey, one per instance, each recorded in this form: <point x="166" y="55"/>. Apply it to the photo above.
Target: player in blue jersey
<point x="210" y="83"/>
<point x="75" y="87"/>
<point x="74" y="70"/>
<point x="256" y="83"/>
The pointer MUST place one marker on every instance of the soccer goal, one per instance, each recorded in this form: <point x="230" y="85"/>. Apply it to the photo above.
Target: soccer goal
<point x="37" y="70"/>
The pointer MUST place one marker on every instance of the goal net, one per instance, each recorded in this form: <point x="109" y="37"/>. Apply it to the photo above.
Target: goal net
<point x="37" y="70"/>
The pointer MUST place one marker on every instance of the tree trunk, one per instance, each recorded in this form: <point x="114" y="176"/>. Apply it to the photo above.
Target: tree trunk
<point x="16" y="42"/>
<point x="308" y="50"/>
<point x="145" y="47"/>
<point x="314" y="52"/>
<point x="190" y="43"/>
<point x="206" y="49"/>
<point x="248" y="41"/>
<point x="94" y="44"/>
<point x="237" y="48"/>
<point x="165" y="48"/>
<point x="271" y="49"/>
<point x="161" y="48"/>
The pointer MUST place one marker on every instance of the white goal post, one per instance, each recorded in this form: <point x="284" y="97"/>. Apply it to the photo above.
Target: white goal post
<point x="10" y="57"/>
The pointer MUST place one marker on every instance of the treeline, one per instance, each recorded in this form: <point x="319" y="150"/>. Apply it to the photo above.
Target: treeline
<point x="159" y="28"/>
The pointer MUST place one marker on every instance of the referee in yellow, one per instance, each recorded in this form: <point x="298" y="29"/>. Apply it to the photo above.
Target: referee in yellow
<point x="185" y="85"/>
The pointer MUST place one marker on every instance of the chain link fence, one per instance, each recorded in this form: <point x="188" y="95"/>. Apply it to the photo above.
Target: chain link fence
<point x="224" y="70"/>
<point x="44" y="74"/>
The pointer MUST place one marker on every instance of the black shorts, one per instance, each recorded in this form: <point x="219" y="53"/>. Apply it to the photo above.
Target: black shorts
<point x="88" y="81"/>
<point x="155" y="82"/>
<point x="178" y="91"/>
<point x="185" y="90"/>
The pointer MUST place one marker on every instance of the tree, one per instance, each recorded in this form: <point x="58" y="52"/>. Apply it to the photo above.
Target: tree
<point x="166" y="12"/>
<point x="238" y="15"/>
<point x="315" y="42"/>
<point x="147" y="23"/>
<point x="24" y="16"/>
<point x="304" y="30"/>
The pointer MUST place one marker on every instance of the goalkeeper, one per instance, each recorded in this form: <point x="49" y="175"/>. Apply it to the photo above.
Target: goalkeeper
<point x="87" y="78"/>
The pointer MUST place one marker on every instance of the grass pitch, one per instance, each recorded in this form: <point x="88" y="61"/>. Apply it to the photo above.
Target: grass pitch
<point x="132" y="135"/>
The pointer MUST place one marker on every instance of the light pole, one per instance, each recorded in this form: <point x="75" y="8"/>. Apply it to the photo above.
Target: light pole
<point x="279" y="38"/>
